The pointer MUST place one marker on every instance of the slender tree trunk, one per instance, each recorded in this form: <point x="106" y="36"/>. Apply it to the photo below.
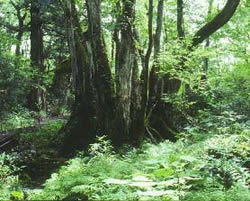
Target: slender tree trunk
<point x="19" y="41"/>
<point x="21" y="27"/>
<point x="171" y="85"/>
<point x="20" y="30"/>
<point x="145" y="70"/>
<point x="206" y="60"/>
<point x="157" y="108"/>
<point x="180" y="19"/>
<point x="154" y="78"/>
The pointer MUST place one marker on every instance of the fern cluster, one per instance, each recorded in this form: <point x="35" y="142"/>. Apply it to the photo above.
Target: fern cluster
<point x="215" y="169"/>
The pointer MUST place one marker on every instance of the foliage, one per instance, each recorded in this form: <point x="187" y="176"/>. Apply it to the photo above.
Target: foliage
<point x="232" y="88"/>
<point x="214" y="168"/>
<point x="45" y="140"/>
<point x="35" y="155"/>
<point x="13" y="89"/>
<point x="235" y="194"/>
<point x="17" y="119"/>
<point x="8" y="175"/>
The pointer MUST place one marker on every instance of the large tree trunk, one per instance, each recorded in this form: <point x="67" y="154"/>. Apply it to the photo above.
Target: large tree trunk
<point x="80" y="128"/>
<point x="100" y="65"/>
<point x="126" y="73"/>
<point x="94" y="105"/>
<point x="36" y="98"/>
<point x="93" y="108"/>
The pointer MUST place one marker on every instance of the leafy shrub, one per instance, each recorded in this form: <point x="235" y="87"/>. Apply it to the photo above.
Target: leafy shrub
<point x="237" y="193"/>
<point x="8" y="175"/>
<point x="232" y="88"/>
<point x="15" y="81"/>
<point x="19" y="119"/>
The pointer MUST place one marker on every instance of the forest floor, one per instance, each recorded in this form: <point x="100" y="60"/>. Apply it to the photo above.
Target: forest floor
<point x="203" y="165"/>
<point x="215" y="167"/>
<point x="36" y="154"/>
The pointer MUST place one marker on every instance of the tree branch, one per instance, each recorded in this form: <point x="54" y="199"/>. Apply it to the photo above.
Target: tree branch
<point x="219" y="20"/>
<point x="9" y="26"/>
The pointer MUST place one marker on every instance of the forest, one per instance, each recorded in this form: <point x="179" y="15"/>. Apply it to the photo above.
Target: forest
<point x="127" y="100"/>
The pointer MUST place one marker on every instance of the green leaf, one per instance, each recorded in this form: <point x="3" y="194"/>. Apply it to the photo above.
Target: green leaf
<point x="164" y="172"/>
<point x="17" y="195"/>
<point x="188" y="158"/>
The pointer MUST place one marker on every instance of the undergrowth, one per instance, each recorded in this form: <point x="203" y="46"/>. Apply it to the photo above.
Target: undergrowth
<point x="19" y="119"/>
<point x="31" y="161"/>
<point x="212" y="169"/>
<point x="210" y="162"/>
<point x="9" y="180"/>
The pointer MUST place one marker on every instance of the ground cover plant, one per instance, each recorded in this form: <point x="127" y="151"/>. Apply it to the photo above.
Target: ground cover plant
<point x="214" y="168"/>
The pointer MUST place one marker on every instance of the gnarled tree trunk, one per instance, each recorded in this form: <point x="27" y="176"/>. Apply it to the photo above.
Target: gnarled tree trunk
<point x="99" y="64"/>
<point x="126" y="70"/>
<point x="93" y="108"/>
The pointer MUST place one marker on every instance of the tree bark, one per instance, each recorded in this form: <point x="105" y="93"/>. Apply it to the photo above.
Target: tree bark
<point x="154" y="86"/>
<point x="180" y="19"/>
<point x="93" y="109"/>
<point x="140" y="114"/>
<point x="36" y="99"/>
<point x="81" y="127"/>
<point x="125" y="67"/>
<point x="100" y="65"/>
<point x="206" y="60"/>
<point x="145" y="70"/>
<point x="154" y="78"/>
